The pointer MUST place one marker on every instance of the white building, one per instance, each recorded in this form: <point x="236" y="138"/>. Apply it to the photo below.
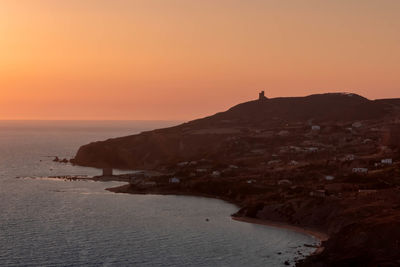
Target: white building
<point x="356" y="124"/>
<point x="329" y="177"/>
<point x="174" y="180"/>
<point x="349" y="157"/>
<point x="216" y="174"/>
<point x="315" y="128"/>
<point x="387" y="161"/>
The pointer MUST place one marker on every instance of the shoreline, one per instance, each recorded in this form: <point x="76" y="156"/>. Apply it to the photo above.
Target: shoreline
<point x="303" y="230"/>
<point x="320" y="236"/>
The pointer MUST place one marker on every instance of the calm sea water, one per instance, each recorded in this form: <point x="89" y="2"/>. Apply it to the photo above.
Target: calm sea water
<point x="45" y="222"/>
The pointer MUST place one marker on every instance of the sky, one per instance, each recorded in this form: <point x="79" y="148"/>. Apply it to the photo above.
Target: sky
<point x="184" y="59"/>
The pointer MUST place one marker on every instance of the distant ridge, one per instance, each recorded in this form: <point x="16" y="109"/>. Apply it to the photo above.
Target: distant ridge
<point x="331" y="106"/>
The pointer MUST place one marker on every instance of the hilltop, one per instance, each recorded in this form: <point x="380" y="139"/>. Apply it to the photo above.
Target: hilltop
<point x="211" y="136"/>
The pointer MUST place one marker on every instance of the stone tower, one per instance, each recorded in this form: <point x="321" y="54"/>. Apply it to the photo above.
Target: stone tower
<point x="261" y="96"/>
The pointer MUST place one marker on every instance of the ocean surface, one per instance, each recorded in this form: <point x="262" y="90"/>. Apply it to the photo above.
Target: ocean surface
<point x="51" y="222"/>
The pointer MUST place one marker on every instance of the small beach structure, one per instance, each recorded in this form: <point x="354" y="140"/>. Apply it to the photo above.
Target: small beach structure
<point x="107" y="172"/>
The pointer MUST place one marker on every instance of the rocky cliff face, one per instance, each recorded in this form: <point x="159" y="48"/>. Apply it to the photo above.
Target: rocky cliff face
<point x="208" y="137"/>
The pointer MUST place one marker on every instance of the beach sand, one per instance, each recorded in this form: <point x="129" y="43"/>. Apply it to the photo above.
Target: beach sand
<point x="317" y="234"/>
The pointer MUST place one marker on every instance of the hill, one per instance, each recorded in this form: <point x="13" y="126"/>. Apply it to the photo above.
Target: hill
<point x="209" y="137"/>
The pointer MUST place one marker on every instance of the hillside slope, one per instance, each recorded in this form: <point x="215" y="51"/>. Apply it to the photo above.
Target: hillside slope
<point x="208" y="137"/>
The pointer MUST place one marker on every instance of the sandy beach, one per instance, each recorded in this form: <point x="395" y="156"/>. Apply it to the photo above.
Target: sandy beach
<point x="317" y="234"/>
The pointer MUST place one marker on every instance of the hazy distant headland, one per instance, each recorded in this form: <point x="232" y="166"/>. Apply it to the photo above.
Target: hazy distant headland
<point x="325" y="162"/>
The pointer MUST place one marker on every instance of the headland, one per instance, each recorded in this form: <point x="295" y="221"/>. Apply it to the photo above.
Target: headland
<point x="327" y="162"/>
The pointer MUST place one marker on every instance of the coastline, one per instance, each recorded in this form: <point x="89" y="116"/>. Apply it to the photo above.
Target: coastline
<point x="307" y="231"/>
<point x="320" y="236"/>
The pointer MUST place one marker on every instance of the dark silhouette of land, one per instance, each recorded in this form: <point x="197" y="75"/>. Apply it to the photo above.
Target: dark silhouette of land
<point x="328" y="162"/>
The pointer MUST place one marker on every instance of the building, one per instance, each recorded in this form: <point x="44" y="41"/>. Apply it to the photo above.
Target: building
<point x="387" y="161"/>
<point x="329" y="177"/>
<point x="107" y="172"/>
<point x="360" y="170"/>
<point x="349" y="157"/>
<point x="318" y="193"/>
<point x="261" y="96"/>
<point x="174" y="180"/>
<point x="216" y="174"/>
<point x="315" y="128"/>
<point x="312" y="149"/>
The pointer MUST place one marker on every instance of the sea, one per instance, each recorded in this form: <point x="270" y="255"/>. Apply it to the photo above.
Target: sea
<point x="54" y="222"/>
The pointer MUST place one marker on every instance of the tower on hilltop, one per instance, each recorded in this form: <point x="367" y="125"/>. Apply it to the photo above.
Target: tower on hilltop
<point x="261" y="96"/>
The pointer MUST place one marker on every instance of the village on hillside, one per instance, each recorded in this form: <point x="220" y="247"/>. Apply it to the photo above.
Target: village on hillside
<point x="321" y="160"/>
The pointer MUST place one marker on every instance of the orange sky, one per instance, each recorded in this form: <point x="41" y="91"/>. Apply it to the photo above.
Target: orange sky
<point x="181" y="59"/>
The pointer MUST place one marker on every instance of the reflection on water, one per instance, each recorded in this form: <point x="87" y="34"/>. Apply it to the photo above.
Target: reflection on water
<point x="52" y="222"/>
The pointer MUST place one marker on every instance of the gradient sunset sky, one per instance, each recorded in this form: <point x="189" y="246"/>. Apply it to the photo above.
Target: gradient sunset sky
<point x="183" y="59"/>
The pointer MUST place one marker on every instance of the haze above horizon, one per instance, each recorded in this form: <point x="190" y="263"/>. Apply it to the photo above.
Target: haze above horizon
<point x="179" y="60"/>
